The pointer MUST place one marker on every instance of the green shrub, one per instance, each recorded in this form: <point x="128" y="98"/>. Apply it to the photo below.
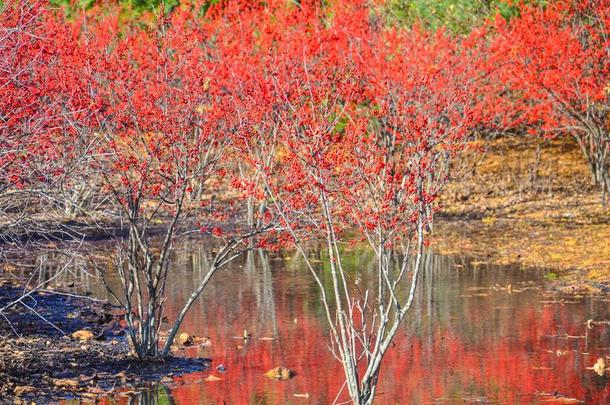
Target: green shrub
<point x="458" y="16"/>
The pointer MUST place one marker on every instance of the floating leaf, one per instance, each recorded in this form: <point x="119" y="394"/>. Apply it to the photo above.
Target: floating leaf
<point x="280" y="374"/>
<point x="600" y="367"/>
<point x="185" y="339"/>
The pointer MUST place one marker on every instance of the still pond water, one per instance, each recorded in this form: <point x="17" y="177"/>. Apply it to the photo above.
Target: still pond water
<point x="476" y="334"/>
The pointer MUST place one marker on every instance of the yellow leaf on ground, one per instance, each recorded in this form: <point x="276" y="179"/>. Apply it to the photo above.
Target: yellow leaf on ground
<point x="84" y="335"/>
<point x="24" y="389"/>
<point x="488" y="220"/>
<point x="65" y="383"/>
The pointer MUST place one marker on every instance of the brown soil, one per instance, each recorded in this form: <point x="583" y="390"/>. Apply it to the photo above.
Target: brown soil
<point x="43" y="364"/>
<point x="526" y="201"/>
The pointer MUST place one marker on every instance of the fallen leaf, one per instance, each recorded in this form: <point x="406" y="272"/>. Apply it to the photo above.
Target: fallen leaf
<point x="121" y="375"/>
<point x="212" y="378"/>
<point x="489" y="220"/>
<point x="89" y="395"/>
<point x="185" y="339"/>
<point x="205" y="342"/>
<point x="96" y="390"/>
<point x="563" y="400"/>
<point x="85" y="378"/>
<point x="84" y="335"/>
<point x="65" y="383"/>
<point x="600" y="367"/>
<point x="559" y="399"/>
<point x="280" y="373"/>
<point x="24" y="389"/>
<point x="561" y="353"/>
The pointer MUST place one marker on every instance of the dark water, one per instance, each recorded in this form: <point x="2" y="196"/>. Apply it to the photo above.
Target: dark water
<point x="477" y="334"/>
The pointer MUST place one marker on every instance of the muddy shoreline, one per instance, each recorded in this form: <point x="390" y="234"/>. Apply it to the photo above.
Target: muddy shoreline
<point x="39" y="362"/>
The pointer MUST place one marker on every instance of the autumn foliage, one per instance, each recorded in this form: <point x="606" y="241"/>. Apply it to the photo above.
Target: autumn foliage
<point x="553" y="74"/>
<point x="113" y="103"/>
<point x="275" y="124"/>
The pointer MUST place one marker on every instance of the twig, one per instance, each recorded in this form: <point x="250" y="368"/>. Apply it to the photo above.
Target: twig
<point x="73" y="295"/>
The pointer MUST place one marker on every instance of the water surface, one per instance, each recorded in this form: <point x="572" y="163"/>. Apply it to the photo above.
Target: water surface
<point x="476" y="334"/>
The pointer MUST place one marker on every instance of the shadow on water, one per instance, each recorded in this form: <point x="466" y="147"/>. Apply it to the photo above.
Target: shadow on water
<point x="476" y="335"/>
